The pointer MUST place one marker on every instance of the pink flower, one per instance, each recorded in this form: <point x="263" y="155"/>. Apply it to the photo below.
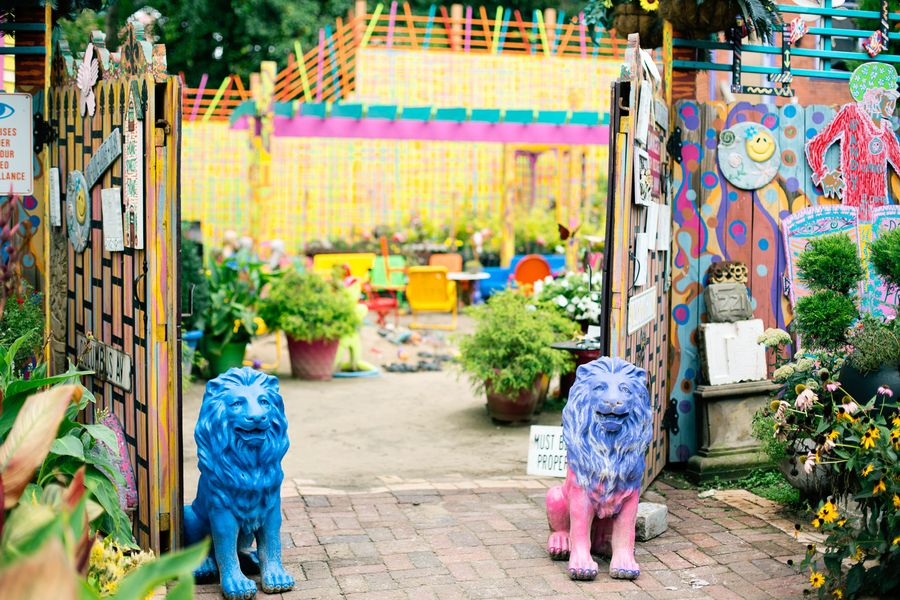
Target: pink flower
<point x="810" y="463"/>
<point x="850" y="407"/>
<point x="832" y="386"/>
<point x="805" y="400"/>
<point x="886" y="391"/>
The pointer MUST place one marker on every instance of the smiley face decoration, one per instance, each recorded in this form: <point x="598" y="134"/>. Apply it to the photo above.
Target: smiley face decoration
<point x="748" y="155"/>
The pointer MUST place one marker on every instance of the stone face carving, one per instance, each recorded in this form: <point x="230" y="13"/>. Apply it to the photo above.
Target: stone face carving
<point x="727" y="302"/>
<point x="241" y="438"/>
<point x="607" y="428"/>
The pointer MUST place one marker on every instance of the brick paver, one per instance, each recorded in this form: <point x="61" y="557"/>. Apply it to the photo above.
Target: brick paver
<point x="487" y="539"/>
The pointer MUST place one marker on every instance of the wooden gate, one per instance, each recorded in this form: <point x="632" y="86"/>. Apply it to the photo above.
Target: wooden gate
<point x="115" y="311"/>
<point x="636" y="273"/>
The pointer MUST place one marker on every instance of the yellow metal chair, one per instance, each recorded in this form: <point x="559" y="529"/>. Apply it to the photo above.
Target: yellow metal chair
<point x="429" y="290"/>
<point x="359" y="263"/>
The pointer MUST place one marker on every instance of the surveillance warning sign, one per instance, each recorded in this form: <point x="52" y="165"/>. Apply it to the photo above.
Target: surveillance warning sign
<point x="16" y="145"/>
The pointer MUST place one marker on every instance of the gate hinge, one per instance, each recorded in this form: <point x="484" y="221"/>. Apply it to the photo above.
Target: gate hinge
<point x="670" y="418"/>
<point x="673" y="145"/>
<point x="44" y="133"/>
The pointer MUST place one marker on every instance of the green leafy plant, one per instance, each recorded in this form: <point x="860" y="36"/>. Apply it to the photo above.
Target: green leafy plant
<point x="875" y="343"/>
<point x="572" y="296"/>
<point x="194" y="286"/>
<point x="510" y="347"/>
<point x="307" y="307"/>
<point x="830" y="262"/>
<point x="235" y="286"/>
<point x="23" y="317"/>
<point x="823" y="318"/>
<point x="884" y="254"/>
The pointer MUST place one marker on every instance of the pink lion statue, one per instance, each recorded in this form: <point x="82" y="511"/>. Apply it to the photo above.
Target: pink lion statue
<point x="607" y="427"/>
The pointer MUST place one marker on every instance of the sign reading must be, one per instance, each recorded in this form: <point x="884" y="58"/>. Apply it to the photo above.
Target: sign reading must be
<point x="107" y="363"/>
<point x="546" y="451"/>
<point x="16" y="145"/>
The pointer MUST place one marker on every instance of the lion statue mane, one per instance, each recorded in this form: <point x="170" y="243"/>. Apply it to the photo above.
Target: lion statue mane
<point x="607" y="428"/>
<point x="241" y="437"/>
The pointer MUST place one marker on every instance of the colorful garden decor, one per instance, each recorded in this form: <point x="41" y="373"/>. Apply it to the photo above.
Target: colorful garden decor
<point x="868" y="143"/>
<point x="241" y="438"/>
<point x="607" y="427"/>
<point x="748" y="155"/>
<point x="78" y="211"/>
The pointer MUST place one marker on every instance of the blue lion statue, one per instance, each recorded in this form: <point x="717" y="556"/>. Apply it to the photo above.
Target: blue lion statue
<point x="607" y="427"/>
<point x="241" y="438"/>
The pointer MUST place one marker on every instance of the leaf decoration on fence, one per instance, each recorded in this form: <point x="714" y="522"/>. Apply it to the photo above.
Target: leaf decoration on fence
<point x="88" y="70"/>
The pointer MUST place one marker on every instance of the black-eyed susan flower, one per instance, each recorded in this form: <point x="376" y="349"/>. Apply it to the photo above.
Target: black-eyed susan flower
<point x="895" y="421"/>
<point x="869" y="437"/>
<point x="650" y="5"/>
<point x="841" y="522"/>
<point x="896" y="541"/>
<point x="896" y="501"/>
<point x="828" y="512"/>
<point x="817" y="522"/>
<point x="816" y="579"/>
<point x="879" y="487"/>
<point x="869" y="468"/>
<point x="838" y="594"/>
<point x="860" y="554"/>
<point x="895" y="438"/>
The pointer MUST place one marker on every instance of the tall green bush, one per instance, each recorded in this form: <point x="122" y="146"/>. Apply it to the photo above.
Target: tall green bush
<point x="832" y="263"/>
<point x="884" y="254"/>
<point x="307" y="307"/>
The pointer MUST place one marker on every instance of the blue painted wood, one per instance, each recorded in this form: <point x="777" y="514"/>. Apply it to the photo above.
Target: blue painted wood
<point x="485" y="115"/>
<point x="450" y="114"/>
<point x="519" y="116"/>
<point x="552" y="117"/>
<point x="585" y="117"/>
<point x="431" y="12"/>
<point x="417" y="113"/>
<point x="834" y="12"/>
<point x="313" y="109"/>
<point x="382" y="111"/>
<point x="350" y="111"/>
<point x="507" y="13"/>
<point x="560" y="22"/>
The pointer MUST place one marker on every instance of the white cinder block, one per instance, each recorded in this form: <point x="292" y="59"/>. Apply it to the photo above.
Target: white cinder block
<point x="732" y="353"/>
<point x="652" y="520"/>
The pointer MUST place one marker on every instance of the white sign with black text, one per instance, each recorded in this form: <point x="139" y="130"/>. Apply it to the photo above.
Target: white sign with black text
<point x="16" y="145"/>
<point x="107" y="363"/>
<point x="546" y="451"/>
<point x="641" y="309"/>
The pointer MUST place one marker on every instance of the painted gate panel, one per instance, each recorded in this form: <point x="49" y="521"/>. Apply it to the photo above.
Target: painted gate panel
<point x="127" y="300"/>
<point x="715" y="221"/>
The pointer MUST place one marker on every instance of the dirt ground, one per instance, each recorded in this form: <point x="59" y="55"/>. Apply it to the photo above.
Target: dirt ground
<point x="349" y="433"/>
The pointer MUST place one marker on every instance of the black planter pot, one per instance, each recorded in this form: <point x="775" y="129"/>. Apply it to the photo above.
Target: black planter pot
<point x="862" y="386"/>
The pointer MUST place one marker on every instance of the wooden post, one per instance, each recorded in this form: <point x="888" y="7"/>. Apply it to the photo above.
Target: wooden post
<point x="456" y="19"/>
<point x="262" y="88"/>
<point x="550" y="24"/>
<point x="360" y="14"/>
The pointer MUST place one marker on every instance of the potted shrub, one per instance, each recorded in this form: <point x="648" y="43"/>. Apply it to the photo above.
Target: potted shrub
<point x="875" y="357"/>
<point x="194" y="300"/>
<point x="234" y="287"/>
<point x="509" y="353"/>
<point x="314" y="315"/>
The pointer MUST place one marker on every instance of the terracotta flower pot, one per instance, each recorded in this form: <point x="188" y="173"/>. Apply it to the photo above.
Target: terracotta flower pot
<point x="508" y="409"/>
<point x="232" y="356"/>
<point x="312" y="360"/>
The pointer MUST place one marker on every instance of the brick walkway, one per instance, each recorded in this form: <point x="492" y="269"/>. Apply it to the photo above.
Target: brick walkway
<point x="486" y="539"/>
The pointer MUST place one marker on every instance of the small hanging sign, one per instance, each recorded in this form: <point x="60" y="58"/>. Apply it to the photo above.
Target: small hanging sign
<point x="111" y="203"/>
<point x="106" y="154"/>
<point x="78" y="211"/>
<point x="16" y="145"/>
<point x="108" y="364"/>
<point x="133" y="178"/>
<point x="55" y="212"/>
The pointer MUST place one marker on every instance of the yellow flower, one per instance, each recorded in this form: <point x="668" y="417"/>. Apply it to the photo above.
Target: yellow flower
<point x="895" y="421"/>
<point x="847" y="417"/>
<point x="96" y="553"/>
<point x="841" y="522"/>
<point x="650" y="5"/>
<point x="828" y="512"/>
<point x="896" y="501"/>
<point x="816" y="523"/>
<point x="838" y="594"/>
<point x="896" y="541"/>
<point x="879" y="487"/>
<point x="869" y="438"/>
<point x="869" y="468"/>
<point x="834" y="434"/>
<point x="237" y="325"/>
<point x="859" y="554"/>
<point x="895" y="438"/>
<point x="816" y="579"/>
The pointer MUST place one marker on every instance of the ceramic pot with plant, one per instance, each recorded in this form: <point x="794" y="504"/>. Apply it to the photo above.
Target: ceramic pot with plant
<point x="575" y="295"/>
<point x="230" y="322"/>
<point x="314" y="315"/>
<point x="509" y="353"/>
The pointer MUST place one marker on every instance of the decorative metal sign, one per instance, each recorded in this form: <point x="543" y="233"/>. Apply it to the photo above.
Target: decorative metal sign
<point x="107" y="363"/>
<point x="109" y="151"/>
<point x="111" y="205"/>
<point x="78" y="210"/>
<point x="16" y="168"/>
<point x="134" y="176"/>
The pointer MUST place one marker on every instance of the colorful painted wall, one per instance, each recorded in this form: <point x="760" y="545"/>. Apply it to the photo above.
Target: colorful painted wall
<point x="716" y="221"/>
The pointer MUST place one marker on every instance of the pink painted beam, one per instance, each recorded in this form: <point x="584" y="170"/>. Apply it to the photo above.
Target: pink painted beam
<point x="445" y="131"/>
<point x="197" y="99"/>
<point x="391" y="20"/>
<point x="468" y="27"/>
<point x="582" y="37"/>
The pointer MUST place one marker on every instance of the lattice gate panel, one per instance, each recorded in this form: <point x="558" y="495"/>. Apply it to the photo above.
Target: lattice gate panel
<point x="126" y="300"/>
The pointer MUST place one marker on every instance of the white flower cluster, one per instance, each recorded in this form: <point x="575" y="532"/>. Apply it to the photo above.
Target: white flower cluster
<point x="573" y="294"/>
<point x="772" y="338"/>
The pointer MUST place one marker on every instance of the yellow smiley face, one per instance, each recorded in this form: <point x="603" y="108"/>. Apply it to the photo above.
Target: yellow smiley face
<point x="80" y="206"/>
<point x="760" y="146"/>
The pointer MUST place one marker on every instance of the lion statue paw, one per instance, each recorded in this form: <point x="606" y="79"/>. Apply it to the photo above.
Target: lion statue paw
<point x="607" y="427"/>
<point x="241" y="436"/>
